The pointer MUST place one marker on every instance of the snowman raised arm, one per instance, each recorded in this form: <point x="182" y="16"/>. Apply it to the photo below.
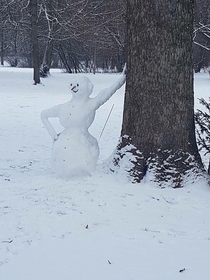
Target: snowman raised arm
<point x="75" y="151"/>
<point x="105" y="94"/>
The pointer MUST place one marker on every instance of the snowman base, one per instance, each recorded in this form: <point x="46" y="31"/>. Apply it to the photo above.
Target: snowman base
<point x="74" y="154"/>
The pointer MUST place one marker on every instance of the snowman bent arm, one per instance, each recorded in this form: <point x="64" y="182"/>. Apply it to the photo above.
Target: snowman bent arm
<point x="105" y="94"/>
<point x="50" y="113"/>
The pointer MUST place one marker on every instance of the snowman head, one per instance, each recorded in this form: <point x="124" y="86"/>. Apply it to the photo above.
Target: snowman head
<point x="81" y="87"/>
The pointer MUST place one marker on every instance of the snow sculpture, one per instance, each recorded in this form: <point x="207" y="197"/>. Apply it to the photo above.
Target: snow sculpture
<point x="75" y="151"/>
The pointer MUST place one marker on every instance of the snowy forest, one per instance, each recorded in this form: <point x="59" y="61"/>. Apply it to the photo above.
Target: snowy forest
<point x="76" y="35"/>
<point x="84" y="35"/>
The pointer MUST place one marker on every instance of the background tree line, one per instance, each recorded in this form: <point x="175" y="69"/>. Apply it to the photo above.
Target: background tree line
<point x="80" y="34"/>
<point x="201" y="45"/>
<point x="73" y="34"/>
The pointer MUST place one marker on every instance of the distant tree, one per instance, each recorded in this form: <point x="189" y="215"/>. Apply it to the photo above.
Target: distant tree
<point x="2" y="35"/>
<point x="158" y="130"/>
<point x="34" y="38"/>
<point x="15" y="33"/>
<point x="201" y="38"/>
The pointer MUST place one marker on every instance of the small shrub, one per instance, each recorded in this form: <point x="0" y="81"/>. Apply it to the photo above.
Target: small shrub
<point x="202" y="120"/>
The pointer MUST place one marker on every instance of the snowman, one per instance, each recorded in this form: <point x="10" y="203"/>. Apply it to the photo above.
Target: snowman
<point x="75" y="151"/>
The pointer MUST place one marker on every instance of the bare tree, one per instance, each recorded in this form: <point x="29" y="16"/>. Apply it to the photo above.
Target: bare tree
<point x="201" y="38"/>
<point x="35" y="53"/>
<point x="14" y="32"/>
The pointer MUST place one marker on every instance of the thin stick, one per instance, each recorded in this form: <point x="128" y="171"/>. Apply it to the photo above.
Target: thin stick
<point x="106" y="121"/>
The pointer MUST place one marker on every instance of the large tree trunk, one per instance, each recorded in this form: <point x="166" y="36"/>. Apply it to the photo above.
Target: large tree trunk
<point x="35" y="53"/>
<point x="158" y="122"/>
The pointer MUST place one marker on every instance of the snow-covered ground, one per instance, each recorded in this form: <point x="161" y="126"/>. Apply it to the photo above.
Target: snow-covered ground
<point x="94" y="228"/>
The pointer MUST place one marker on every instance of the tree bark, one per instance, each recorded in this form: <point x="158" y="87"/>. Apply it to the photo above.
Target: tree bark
<point x="158" y="130"/>
<point x="35" y="53"/>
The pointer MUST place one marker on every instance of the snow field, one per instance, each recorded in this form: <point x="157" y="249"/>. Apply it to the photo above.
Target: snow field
<point x="90" y="227"/>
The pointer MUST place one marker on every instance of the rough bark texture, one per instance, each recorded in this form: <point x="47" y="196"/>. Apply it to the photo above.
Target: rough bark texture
<point x="158" y="115"/>
<point x="35" y="54"/>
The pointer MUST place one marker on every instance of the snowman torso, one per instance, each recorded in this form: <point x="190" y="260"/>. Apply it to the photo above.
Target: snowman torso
<point x="77" y="114"/>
